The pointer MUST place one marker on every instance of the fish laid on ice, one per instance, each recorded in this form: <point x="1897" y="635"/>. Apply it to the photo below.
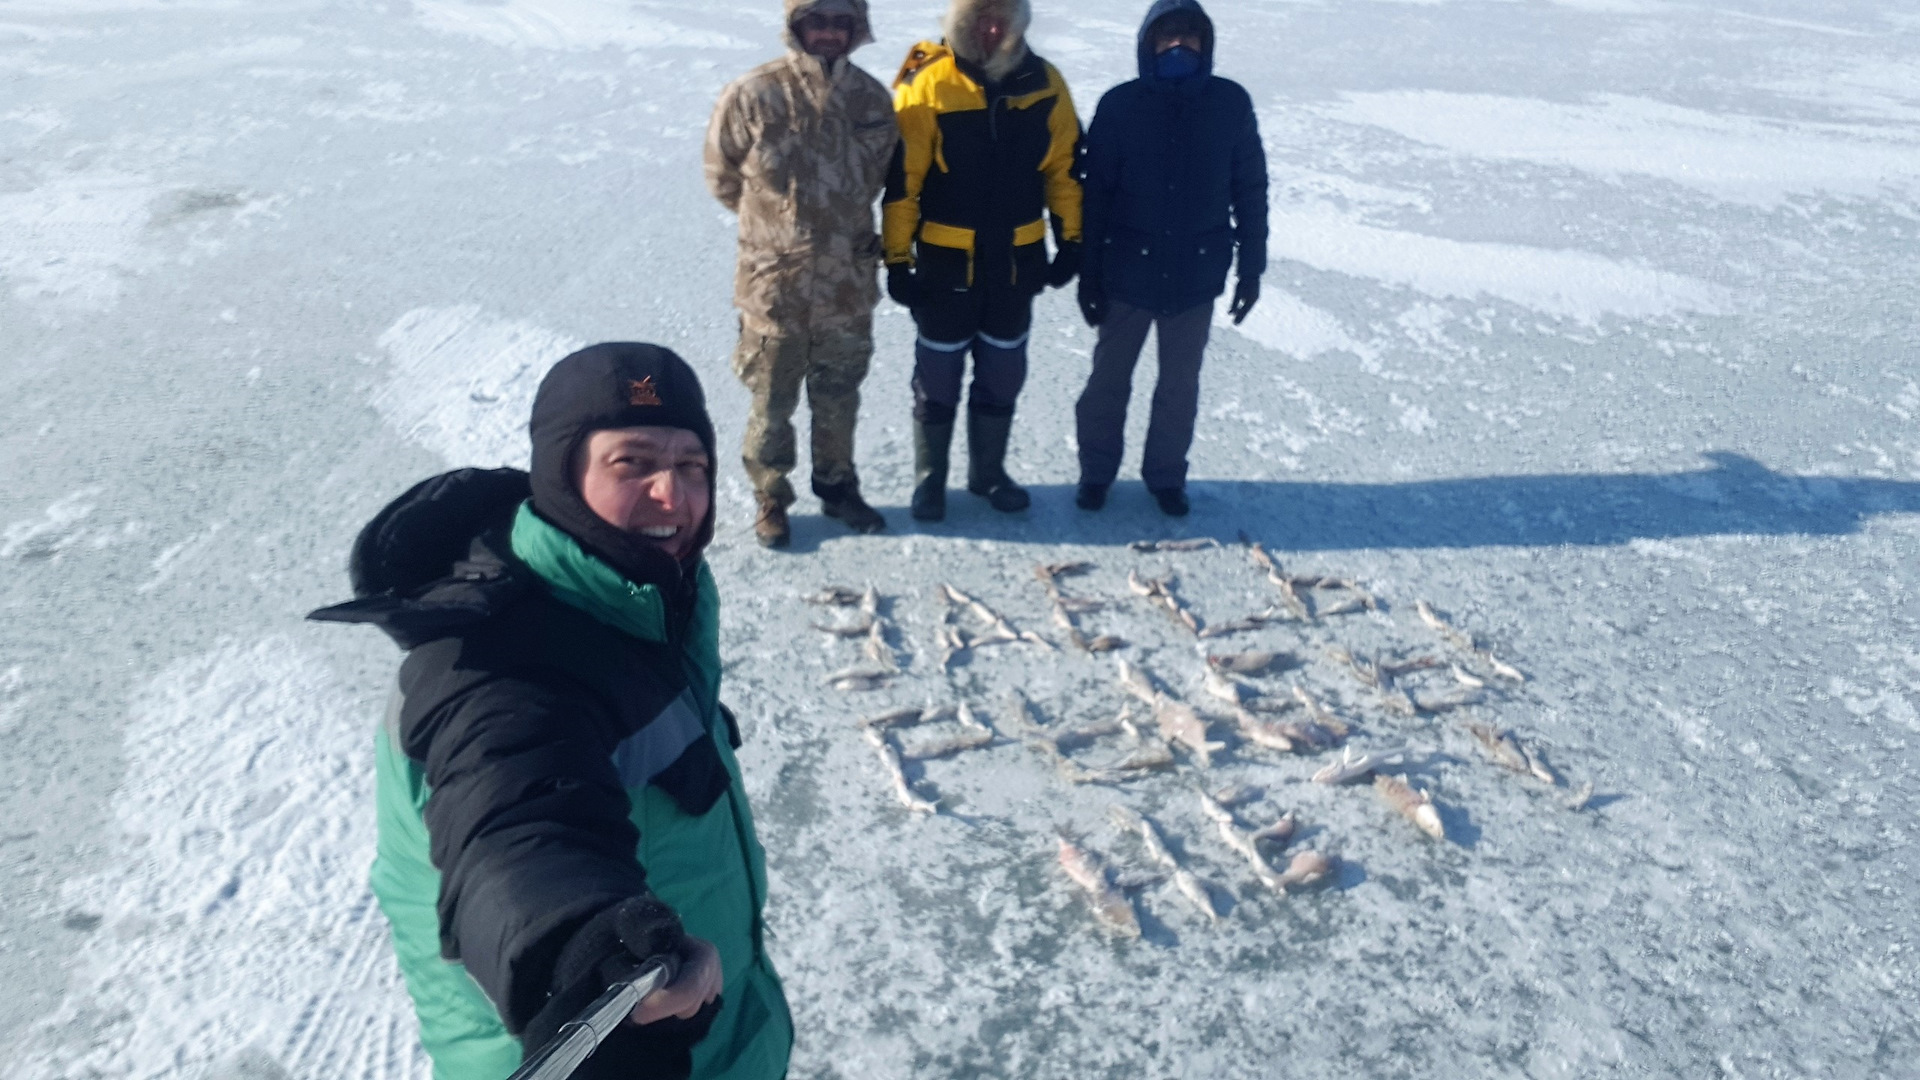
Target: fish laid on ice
<point x="1501" y="746"/>
<point x="1363" y="669"/>
<point x="1463" y="641"/>
<point x="1346" y="770"/>
<point x="1414" y="805"/>
<point x="1440" y="703"/>
<point x="1320" y="714"/>
<point x="859" y="678"/>
<point x="1249" y="663"/>
<point x="1149" y="755"/>
<point x="876" y="649"/>
<point x="949" y="742"/>
<point x="892" y="718"/>
<point x="1190" y="886"/>
<point x="1509" y="752"/>
<point x="1180" y="724"/>
<point x="1197" y="544"/>
<point x="1242" y="842"/>
<point x="1088" y="871"/>
<point x="1086" y="733"/>
<point x="1466" y="678"/>
<point x="1056" y="571"/>
<point x="1260" y="731"/>
<point x="1234" y="626"/>
<point x="870" y="602"/>
<point x="1135" y="682"/>
<point x="897" y="773"/>
<point x="1101" y="643"/>
<point x="1305" y="868"/>
<point x="1279" y="832"/>
<point x="1226" y="688"/>
<point x="834" y="596"/>
<point x="1294" y="601"/>
<point x="1160" y="592"/>
<point x="858" y="628"/>
<point x="1538" y="766"/>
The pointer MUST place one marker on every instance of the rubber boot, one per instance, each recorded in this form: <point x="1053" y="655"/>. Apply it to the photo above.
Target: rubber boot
<point x="931" y="445"/>
<point x="987" y="436"/>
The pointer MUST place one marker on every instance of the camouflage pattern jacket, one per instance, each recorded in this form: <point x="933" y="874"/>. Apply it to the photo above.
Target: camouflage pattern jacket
<point x="800" y="150"/>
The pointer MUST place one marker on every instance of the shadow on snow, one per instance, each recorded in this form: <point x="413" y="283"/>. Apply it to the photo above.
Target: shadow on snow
<point x="1736" y="496"/>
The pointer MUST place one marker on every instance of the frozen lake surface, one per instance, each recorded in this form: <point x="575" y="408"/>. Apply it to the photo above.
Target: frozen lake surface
<point x="1592" y="322"/>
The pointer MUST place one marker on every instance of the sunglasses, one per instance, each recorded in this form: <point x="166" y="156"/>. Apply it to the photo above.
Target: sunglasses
<point x="846" y="24"/>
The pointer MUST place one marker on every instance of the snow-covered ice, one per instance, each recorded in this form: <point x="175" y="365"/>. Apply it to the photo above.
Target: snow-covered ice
<point x="1590" y="322"/>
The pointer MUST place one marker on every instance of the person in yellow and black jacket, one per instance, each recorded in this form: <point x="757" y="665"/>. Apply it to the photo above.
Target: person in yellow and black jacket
<point x="988" y="138"/>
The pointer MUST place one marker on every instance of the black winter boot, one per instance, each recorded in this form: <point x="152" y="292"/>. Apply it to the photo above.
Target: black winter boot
<point x="987" y="435"/>
<point x="843" y="502"/>
<point x="931" y="444"/>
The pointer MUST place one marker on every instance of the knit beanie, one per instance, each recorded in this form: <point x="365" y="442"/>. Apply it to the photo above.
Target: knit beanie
<point x="614" y="385"/>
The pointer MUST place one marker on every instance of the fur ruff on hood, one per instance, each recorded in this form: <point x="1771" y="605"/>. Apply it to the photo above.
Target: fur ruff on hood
<point x="798" y="8"/>
<point x="961" y="28"/>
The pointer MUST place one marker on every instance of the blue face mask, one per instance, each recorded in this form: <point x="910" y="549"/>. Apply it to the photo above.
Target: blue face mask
<point x="1178" y="62"/>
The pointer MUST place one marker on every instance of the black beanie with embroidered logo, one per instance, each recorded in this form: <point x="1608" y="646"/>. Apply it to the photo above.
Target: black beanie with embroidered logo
<point x="614" y="385"/>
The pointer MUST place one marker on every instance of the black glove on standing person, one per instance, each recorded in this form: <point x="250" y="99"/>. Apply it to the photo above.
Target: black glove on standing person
<point x="900" y="284"/>
<point x="1066" y="263"/>
<point x="1245" y="295"/>
<point x="1093" y="301"/>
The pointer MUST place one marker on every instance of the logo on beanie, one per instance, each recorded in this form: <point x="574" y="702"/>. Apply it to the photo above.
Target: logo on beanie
<point x="640" y="392"/>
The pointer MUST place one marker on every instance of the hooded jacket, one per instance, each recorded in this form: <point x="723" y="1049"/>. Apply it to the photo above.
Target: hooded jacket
<point x="556" y="751"/>
<point x="1176" y="182"/>
<point x="986" y="153"/>
<point x="799" y="149"/>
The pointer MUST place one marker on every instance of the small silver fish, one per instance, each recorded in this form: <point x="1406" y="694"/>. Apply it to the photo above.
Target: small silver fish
<point x="834" y="596"/>
<point x="1134" y="681"/>
<point x="1180" y="724"/>
<point x="950" y="742"/>
<point x="897" y="773"/>
<point x="1346" y="770"/>
<point x="1414" y="805"/>
<point x="1263" y="732"/>
<point x="1249" y="663"/>
<point x="1086" y="869"/>
<point x="1306" y="868"/>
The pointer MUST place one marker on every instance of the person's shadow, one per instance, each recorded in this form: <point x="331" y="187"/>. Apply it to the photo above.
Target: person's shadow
<point x="1737" y="495"/>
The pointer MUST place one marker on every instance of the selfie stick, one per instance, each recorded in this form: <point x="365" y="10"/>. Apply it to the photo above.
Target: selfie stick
<point x="578" y="1038"/>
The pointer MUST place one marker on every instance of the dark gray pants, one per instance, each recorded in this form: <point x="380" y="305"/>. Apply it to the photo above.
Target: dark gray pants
<point x="1102" y="412"/>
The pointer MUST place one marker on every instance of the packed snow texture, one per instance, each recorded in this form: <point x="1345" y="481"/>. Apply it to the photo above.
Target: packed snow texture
<point x="1590" y="322"/>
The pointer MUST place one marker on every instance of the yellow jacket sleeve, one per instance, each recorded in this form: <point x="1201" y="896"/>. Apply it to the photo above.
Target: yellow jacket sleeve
<point x="1063" y="190"/>
<point x="900" y="206"/>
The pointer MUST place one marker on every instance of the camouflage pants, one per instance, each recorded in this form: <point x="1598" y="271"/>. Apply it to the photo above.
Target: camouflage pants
<point x="773" y="369"/>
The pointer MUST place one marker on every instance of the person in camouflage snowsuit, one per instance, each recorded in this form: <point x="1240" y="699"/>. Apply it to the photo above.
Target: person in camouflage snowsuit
<point x="798" y="147"/>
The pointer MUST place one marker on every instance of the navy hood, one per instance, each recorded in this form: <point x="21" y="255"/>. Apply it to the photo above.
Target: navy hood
<point x="1160" y="10"/>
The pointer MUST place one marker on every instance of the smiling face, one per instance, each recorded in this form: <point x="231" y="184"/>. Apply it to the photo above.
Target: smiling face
<point x="651" y="482"/>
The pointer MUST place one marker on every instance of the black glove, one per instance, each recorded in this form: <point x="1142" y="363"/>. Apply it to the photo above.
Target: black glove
<point x="1066" y="263"/>
<point x="1093" y="302"/>
<point x="610" y="947"/>
<point x="1245" y="295"/>
<point x="900" y="284"/>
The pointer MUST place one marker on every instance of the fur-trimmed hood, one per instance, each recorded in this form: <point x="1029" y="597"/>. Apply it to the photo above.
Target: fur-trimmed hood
<point x="962" y="37"/>
<point x="797" y="8"/>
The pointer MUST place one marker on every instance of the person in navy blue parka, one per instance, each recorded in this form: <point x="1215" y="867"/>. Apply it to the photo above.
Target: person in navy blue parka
<point x="1176" y="183"/>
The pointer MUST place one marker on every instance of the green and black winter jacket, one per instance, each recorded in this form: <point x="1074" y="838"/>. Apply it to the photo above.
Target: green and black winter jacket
<point x="556" y="748"/>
